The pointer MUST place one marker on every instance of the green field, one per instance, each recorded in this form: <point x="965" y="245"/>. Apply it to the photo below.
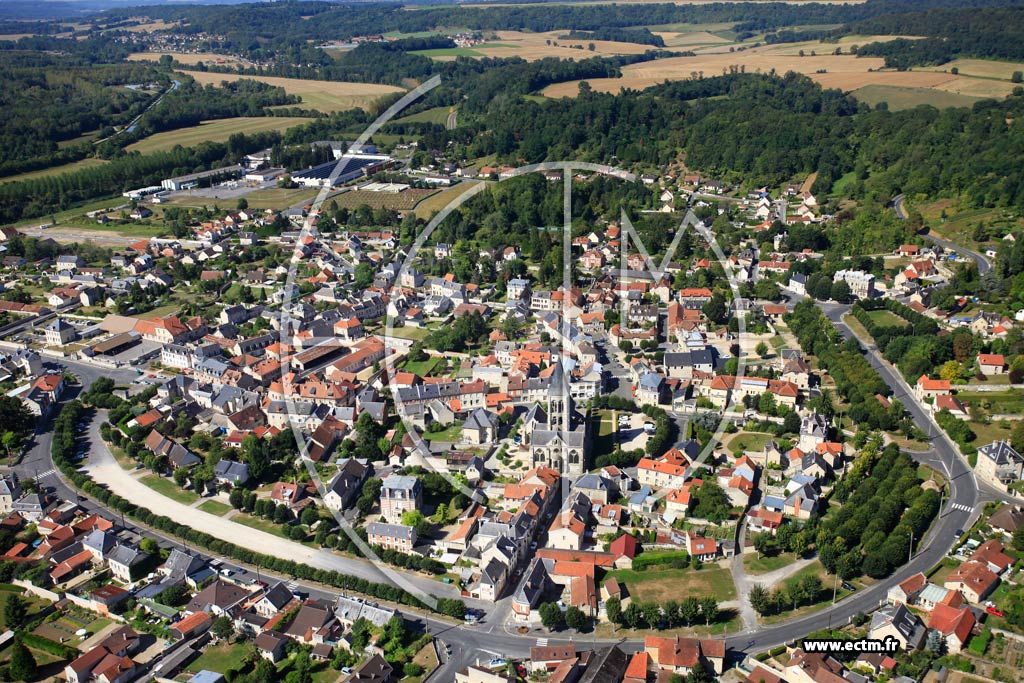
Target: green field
<point x="215" y="507"/>
<point x="886" y="318"/>
<point x="421" y="368"/>
<point x="659" y="585"/>
<point x="899" y="97"/>
<point x="438" y="115"/>
<point x="451" y="434"/>
<point x="749" y="441"/>
<point x="765" y="564"/>
<point x="220" y="658"/>
<point x="215" y="131"/>
<point x="56" y="170"/>
<point x="994" y="402"/>
<point x="258" y="523"/>
<point x="167" y="487"/>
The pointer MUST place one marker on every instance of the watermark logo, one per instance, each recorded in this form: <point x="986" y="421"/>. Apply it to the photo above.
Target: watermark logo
<point x="560" y="439"/>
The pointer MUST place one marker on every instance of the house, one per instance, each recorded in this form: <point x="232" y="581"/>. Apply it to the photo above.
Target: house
<point x="391" y="536"/>
<point x="399" y="494"/>
<point x="1006" y="520"/>
<point x="230" y="473"/>
<point x="681" y="655"/>
<point x="481" y="427"/>
<point x="270" y="645"/>
<point x="219" y="598"/>
<point x="10" y="491"/>
<point x="374" y="670"/>
<point x="991" y="554"/>
<point x="955" y="624"/>
<point x="109" y="660"/>
<point x="125" y="563"/>
<point x="974" y="579"/>
<point x="930" y="388"/>
<point x="274" y="600"/>
<point x="999" y="463"/>
<point x="991" y="363"/>
<point x="191" y="626"/>
<point x="906" y="592"/>
<point x="60" y="332"/>
<point x="345" y="485"/>
<point x="898" y="622"/>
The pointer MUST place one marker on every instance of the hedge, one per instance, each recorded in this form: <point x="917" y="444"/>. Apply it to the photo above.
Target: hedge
<point x="37" y="642"/>
<point x="62" y="450"/>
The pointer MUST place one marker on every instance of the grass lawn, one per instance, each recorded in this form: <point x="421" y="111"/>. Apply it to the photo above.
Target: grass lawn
<point x="660" y="585"/>
<point x="756" y="566"/>
<point x="451" y="434"/>
<point x="215" y="507"/>
<point x="34" y="604"/>
<point x="167" y="487"/>
<point x="215" y="131"/>
<point x="887" y="318"/>
<point x="409" y="332"/>
<point x="258" y="523"/>
<point x="220" y="658"/>
<point x="426" y="658"/>
<point x="728" y="622"/>
<point x="749" y="441"/>
<point x="994" y="402"/>
<point x="421" y="368"/>
<point x="987" y="433"/>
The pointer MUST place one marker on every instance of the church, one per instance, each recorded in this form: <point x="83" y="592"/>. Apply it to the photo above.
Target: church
<point x="557" y="436"/>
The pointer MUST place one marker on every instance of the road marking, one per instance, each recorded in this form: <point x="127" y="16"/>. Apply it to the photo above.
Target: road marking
<point x="542" y="642"/>
<point x="962" y="507"/>
<point x="47" y="473"/>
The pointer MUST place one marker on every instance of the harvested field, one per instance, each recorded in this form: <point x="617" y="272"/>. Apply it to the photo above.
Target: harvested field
<point x="532" y="46"/>
<point x="395" y="201"/>
<point x="673" y="39"/>
<point x="325" y="96"/>
<point x="904" y="79"/>
<point x="897" y="97"/>
<point x="982" y="68"/>
<point x="215" y="131"/>
<point x="190" y="58"/>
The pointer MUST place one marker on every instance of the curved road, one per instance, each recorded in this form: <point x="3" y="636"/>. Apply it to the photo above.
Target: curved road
<point x="983" y="263"/>
<point x="492" y="636"/>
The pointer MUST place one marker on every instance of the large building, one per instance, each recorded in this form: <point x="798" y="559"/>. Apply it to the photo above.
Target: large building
<point x="557" y="437"/>
<point x="348" y="168"/>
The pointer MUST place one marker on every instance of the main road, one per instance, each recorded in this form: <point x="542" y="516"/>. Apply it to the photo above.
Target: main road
<point x="493" y="636"/>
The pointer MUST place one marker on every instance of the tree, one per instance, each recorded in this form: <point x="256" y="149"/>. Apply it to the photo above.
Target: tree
<point x="309" y="515"/>
<point x="1017" y="437"/>
<point x="760" y="599"/>
<point x="689" y="608"/>
<point x="791" y="423"/>
<point x="715" y="308"/>
<point x="699" y="674"/>
<point x="950" y="370"/>
<point x="840" y="291"/>
<point x="282" y="514"/>
<point x="1018" y="538"/>
<point x="551" y="616"/>
<point x="762" y="349"/>
<point x="613" y="608"/>
<point x="15" y="611"/>
<point x="632" y="616"/>
<point x="709" y="608"/>
<point x="242" y="204"/>
<point x="149" y="545"/>
<point x="23" y="664"/>
<point x="222" y="627"/>
<point x="575" y="618"/>
<point x="1017" y="77"/>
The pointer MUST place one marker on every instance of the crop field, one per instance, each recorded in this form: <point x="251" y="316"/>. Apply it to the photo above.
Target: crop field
<point x="215" y="131"/>
<point x="56" y="170"/>
<point x="325" y="96"/>
<point x="437" y="115"/>
<point x="532" y="46"/>
<point x="898" y="97"/>
<point x="843" y="71"/>
<point x="395" y="201"/>
<point x="692" y="38"/>
<point x="191" y="58"/>
<point x="427" y="207"/>
<point x="981" y="68"/>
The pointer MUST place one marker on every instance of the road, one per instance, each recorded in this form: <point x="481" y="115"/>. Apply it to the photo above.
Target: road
<point x="492" y="636"/>
<point x="451" y="122"/>
<point x="984" y="265"/>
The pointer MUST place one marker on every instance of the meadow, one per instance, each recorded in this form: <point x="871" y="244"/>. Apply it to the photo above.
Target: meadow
<point x="215" y="131"/>
<point x="325" y="96"/>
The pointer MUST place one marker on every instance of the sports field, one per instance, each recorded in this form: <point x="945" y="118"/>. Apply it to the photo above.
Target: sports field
<point x="215" y="131"/>
<point x="325" y="96"/>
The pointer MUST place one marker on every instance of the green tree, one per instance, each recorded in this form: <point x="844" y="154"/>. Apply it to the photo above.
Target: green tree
<point x="632" y="616"/>
<point x="613" y="608"/>
<point x="222" y="627"/>
<point x="23" y="665"/>
<point x="149" y="545"/>
<point x="15" y="611"/>
<point x="760" y="599"/>
<point x="575" y="618"/>
<point x="689" y="608"/>
<point x="1018" y="538"/>
<point x="709" y="609"/>
<point x="551" y="616"/>
<point x="762" y="349"/>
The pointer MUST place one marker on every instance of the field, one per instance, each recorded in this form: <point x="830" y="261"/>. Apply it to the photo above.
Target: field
<point x="215" y="507"/>
<point x="190" y="58"/>
<point x="754" y="566"/>
<point x="56" y="170"/>
<point x="898" y="97"/>
<point x="438" y="115"/>
<point x="982" y="68"/>
<point x="272" y="198"/>
<point x="396" y="201"/>
<point x="532" y="46"/>
<point x="167" y="487"/>
<point x="887" y="318"/>
<point x="220" y="658"/>
<point x="215" y="131"/>
<point x="748" y="441"/>
<point x="325" y="96"/>
<point x="434" y="203"/>
<point x="994" y="402"/>
<point x="421" y="368"/>
<point x="449" y="435"/>
<point x="659" y="585"/>
<point x="843" y="71"/>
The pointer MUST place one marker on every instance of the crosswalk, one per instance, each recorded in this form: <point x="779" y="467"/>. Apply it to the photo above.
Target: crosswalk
<point x="45" y="474"/>
<point x="292" y="587"/>
<point x="542" y="642"/>
<point x="962" y="507"/>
